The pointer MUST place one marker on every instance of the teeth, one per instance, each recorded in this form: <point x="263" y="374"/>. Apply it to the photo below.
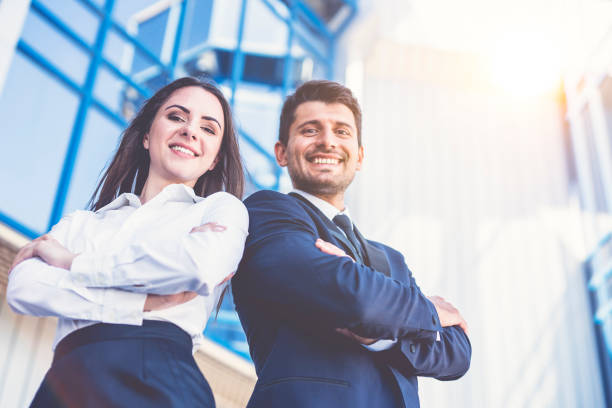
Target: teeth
<point x="182" y="150"/>
<point x="320" y="160"/>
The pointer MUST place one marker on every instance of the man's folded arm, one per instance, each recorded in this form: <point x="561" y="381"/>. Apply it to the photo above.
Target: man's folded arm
<point x="448" y="358"/>
<point x="282" y="265"/>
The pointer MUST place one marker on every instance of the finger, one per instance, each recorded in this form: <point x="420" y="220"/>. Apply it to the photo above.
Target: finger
<point x="345" y="332"/>
<point x="230" y="276"/>
<point x="187" y="296"/>
<point x="329" y="248"/>
<point x="22" y="255"/>
<point x="209" y="226"/>
<point x="464" y="326"/>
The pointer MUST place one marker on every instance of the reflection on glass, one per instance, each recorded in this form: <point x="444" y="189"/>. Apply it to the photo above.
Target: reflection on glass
<point x="37" y="114"/>
<point x="606" y="98"/>
<point x="598" y="187"/>
<point x="55" y="47"/>
<point x="99" y="142"/>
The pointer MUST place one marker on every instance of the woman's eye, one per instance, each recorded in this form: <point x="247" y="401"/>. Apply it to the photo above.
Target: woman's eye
<point x="209" y="130"/>
<point x="175" y="118"/>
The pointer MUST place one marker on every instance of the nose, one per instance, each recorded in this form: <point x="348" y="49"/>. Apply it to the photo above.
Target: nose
<point x="327" y="138"/>
<point x="189" y="131"/>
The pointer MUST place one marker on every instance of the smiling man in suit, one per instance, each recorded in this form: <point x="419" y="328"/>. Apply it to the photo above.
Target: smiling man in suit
<point x="333" y="319"/>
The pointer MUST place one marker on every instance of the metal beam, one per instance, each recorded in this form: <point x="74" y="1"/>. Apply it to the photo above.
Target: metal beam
<point x="77" y="130"/>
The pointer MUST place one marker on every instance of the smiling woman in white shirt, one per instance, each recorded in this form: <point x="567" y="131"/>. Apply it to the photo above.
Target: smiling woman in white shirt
<point x="134" y="281"/>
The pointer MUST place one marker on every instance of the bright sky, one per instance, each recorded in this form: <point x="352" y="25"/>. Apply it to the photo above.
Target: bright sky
<point x="528" y="43"/>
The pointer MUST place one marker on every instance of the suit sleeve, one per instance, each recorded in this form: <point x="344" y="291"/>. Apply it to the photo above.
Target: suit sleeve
<point x="446" y="359"/>
<point x="282" y="266"/>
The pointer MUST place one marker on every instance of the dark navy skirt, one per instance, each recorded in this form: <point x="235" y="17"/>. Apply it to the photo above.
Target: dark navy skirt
<point x="118" y="365"/>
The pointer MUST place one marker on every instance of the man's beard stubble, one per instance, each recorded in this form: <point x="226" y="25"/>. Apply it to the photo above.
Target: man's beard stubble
<point x="327" y="188"/>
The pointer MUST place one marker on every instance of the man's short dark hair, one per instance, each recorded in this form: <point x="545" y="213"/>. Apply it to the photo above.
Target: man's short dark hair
<point x="317" y="90"/>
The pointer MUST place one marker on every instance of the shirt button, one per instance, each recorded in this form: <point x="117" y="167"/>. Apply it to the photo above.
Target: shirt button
<point x="412" y="348"/>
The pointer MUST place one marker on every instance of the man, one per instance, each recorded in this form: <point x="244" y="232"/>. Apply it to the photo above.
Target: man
<point x="333" y="319"/>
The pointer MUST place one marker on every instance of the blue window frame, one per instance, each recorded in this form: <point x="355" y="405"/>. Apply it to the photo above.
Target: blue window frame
<point x="598" y="269"/>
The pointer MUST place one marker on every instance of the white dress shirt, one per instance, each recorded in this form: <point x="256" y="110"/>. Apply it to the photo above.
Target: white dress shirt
<point x="126" y="250"/>
<point x="330" y="212"/>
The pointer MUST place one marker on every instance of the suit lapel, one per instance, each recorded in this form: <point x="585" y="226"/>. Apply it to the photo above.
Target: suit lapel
<point x="376" y="258"/>
<point x="333" y="228"/>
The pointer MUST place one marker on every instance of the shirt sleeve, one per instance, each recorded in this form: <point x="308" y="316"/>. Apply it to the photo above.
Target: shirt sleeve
<point x="196" y="261"/>
<point x="34" y="288"/>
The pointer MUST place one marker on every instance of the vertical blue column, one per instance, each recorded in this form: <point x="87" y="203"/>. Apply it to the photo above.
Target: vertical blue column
<point x="238" y="65"/>
<point x="79" y="123"/>
<point x="178" y="35"/>
<point x="288" y="56"/>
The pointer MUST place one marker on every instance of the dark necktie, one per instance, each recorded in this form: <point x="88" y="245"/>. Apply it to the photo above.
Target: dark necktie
<point x="345" y="224"/>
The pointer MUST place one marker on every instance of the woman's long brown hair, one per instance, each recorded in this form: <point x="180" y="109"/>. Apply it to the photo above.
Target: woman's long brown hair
<point x="129" y="167"/>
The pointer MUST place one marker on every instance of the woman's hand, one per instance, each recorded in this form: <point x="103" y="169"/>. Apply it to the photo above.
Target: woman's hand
<point x="48" y="249"/>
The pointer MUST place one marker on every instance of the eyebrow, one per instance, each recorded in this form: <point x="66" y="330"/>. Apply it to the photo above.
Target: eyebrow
<point x="318" y="123"/>
<point x="184" y="109"/>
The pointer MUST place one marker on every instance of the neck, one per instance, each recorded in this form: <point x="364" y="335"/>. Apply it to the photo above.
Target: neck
<point x="337" y="200"/>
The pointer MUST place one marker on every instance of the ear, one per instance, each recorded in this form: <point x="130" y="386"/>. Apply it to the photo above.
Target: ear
<point x="145" y="141"/>
<point x="359" y="157"/>
<point x="213" y="164"/>
<point x="280" y="151"/>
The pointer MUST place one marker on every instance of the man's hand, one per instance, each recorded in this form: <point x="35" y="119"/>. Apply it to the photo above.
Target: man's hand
<point x="448" y="314"/>
<point x="48" y="249"/>
<point x="330" y="248"/>
<point x="358" y="339"/>
<point x="159" y="302"/>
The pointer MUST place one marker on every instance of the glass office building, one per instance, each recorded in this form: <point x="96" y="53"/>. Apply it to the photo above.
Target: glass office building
<point x="590" y="118"/>
<point x="81" y="68"/>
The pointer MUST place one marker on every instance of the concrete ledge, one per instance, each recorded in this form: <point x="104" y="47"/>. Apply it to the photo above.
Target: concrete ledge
<point x="10" y="242"/>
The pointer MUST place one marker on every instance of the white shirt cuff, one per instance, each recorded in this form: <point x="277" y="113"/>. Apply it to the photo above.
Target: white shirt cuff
<point x="87" y="270"/>
<point x="123" y="307"/>
<point x="381" y="345"/>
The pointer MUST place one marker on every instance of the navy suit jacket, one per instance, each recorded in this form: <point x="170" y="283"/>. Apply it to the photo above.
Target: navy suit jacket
<point x="290" y="298"/>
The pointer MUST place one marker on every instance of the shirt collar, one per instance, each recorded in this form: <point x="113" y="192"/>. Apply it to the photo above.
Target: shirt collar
<point x="172" y="192"/>
<point x="326" y="208"/>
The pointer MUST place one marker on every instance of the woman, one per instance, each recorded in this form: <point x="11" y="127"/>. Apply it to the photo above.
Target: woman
<point x="134" y="281"/>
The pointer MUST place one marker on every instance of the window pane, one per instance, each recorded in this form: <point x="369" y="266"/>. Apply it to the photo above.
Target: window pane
<point x="606" y="97"/>
<point x="37" y="115"/>
<point x="100" y="138"/>
<point x="55" y="47"/>
<point x="598" y="187"/>
<point x="76" y="16"/>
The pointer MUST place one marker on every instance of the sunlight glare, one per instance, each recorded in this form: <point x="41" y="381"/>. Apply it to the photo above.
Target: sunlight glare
<point x="526" y="63"/>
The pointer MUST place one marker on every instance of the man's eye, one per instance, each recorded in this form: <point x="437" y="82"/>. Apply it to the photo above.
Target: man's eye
<point x="309" y="131"/>
<point x="343" y="132"/>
